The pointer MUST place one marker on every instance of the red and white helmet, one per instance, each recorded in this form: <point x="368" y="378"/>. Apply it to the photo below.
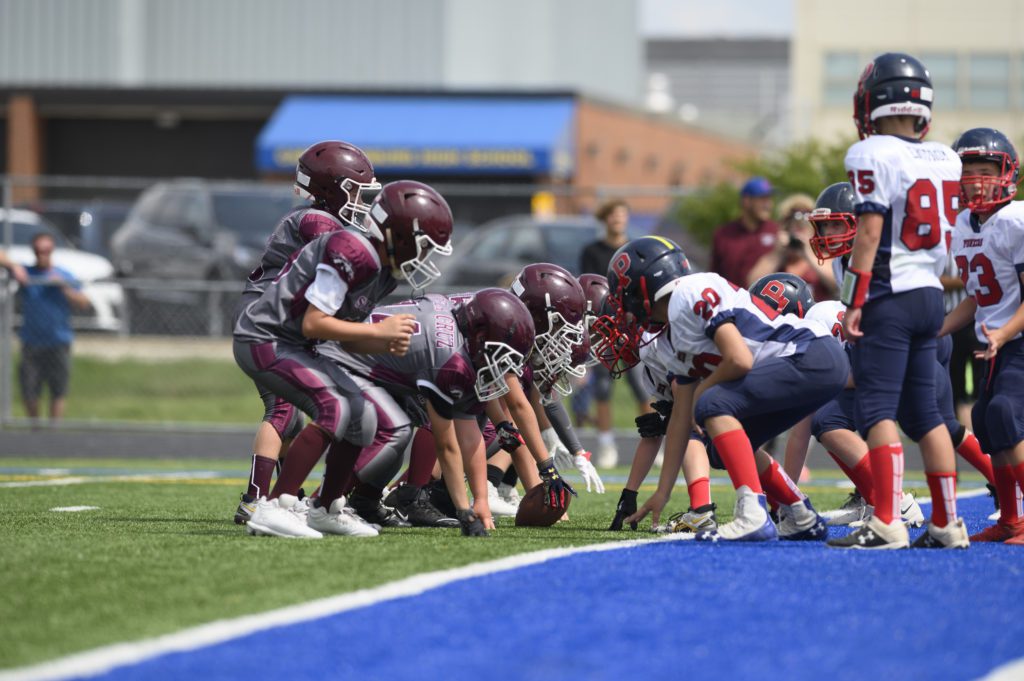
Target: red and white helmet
<point x="414" y="222"/>
<point x="499" y="333"/>
<point x="334" y="175"/>
<point x="556" y="301"/>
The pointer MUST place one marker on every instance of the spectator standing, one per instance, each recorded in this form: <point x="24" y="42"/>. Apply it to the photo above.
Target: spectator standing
<point x="614" y="215"/>
<point x="16" y="270"/>
<point x="738" y="245"/>
<point x="47" y="298"/>
<point x="792" y="252"/>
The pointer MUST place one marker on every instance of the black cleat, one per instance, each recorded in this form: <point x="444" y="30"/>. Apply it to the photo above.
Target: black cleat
<point x="437" y="494"/>
<point x="376" y="512"/>
<point x="246" y="507"/>
<point x="415" y="505"/>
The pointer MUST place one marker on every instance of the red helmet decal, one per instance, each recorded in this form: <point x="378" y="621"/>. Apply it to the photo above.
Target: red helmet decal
<point x="620" y="266"/>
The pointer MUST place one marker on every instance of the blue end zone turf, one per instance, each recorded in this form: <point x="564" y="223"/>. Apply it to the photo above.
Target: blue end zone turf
<point x="666" y="611"/>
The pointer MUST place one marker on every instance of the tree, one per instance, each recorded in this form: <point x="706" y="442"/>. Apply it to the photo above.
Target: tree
<point x="804" y="167"/>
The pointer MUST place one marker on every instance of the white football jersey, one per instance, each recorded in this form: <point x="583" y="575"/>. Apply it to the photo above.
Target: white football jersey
<point x="990" y="259"/>
<point x="703" y="302"/>
<point x="655" y="376"/>
<point x="915" y="186"/>
<point x="830" y="313"/>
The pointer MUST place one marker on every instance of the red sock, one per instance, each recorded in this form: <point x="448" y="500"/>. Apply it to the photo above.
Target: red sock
<point x="302" y="457"/>
<point x="1018" y="474"/>
<point x="970" y="449"/>
<point x="736" y="453"/>
<point x="422" y="457"/>
<point x="1006" y="495"/>
<point x="700" y="492"/>
<point x="943" y="488"/>
<point x="860" y="476"/>
<point x="260" y="473"/>
<point x="339" y="476"/>
<point x="779" y="485"/>
<point x="887" y="475"/>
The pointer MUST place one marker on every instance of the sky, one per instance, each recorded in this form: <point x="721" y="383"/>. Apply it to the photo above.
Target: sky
<point x="716" y="18"/>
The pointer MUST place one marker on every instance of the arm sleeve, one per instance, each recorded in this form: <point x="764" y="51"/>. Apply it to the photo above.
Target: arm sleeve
<point x="327" y="291"/>
<point x="563" y="427"/>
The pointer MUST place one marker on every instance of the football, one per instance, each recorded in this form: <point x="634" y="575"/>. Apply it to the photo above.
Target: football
<point x="534" y="513"/>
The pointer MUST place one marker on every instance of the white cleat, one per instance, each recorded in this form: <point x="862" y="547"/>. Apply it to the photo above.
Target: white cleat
<point x="910" y="511"/>
<point x="340" y="519"/>
<point x="509" y="494"/>
<point x="853" y="510"/>
<point x="275" y="519"/>
<point x="800" y="522"/>
<point x="499" y="507"/>
<point x="750" y="521"/>
<point x="874" y="535"/>
<point x="952" y="536"/>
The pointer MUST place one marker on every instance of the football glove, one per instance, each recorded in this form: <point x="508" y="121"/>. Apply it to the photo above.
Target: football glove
<point x="663" y="407"/>
<point x="471" y="525"/>
<point x="509" y="438"/>
<point x="589" y="473"/>
<point x="561" y="455"/>
<point x="626" y="508"/>
<point x="651" y="425"/>
<point x="556" y="489"/>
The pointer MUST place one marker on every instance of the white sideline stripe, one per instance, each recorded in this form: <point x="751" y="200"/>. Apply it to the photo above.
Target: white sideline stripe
<point x="74" y="509"/>
<point x="59" y="482"/>
<point x="107" y="658"/>
<point x="1011" y="671"/>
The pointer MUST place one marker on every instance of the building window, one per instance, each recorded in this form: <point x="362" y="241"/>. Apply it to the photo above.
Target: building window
<point x="943" y="70"/>
<point x="842" y="70"/>
<point x="990" y="81"/>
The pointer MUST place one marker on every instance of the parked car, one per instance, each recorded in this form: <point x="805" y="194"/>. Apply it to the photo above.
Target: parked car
<point x="198" y="230"/>
<point x="89" y="225"/>
<point x="193" y="242"/>
<point x="93" y="271"/>
<point x="495" y="251"/>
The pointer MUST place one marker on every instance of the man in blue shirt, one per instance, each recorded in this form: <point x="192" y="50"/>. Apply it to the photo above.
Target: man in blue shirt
<point x="47" y="298"/>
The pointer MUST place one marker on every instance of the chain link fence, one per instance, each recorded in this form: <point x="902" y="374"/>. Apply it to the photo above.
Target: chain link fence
<point x="161" y="263"/>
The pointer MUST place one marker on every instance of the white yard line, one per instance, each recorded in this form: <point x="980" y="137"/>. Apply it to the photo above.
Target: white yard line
<point x="101" y="660"/>
<point x="104" y="659"/>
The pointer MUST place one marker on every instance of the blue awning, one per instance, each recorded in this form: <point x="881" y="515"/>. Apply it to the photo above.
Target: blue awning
<point x="427" y="135"/>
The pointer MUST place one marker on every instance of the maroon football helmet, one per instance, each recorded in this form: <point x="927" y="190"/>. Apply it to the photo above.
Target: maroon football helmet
<point x="556" y="301"/>
<point x="499" y="334"/>
<point x="414" y="222"/>
<point x="334" y="176"/>
<point x="595" y="290"/>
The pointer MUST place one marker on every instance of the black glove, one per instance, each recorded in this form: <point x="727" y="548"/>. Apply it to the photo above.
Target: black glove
<point x="650" y="425"/>
<point x="663" y="407"/>
<point x="471" y="525"/>
<point x="626" y="508"/>
<point x="509" y="438"/>
<point x="556" y="489"/>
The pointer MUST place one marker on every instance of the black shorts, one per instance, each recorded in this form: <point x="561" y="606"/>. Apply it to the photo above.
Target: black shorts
<point x="47" y="365"/>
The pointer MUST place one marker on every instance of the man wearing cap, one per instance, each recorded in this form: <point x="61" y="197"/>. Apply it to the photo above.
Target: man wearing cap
<point x="738" y="245"/>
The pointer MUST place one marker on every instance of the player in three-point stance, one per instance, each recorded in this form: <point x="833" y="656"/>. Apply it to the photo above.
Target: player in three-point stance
<point x="751" y="373"/>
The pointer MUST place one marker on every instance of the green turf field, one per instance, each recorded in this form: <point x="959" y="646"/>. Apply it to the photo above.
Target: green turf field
<point x="162" y="554"/>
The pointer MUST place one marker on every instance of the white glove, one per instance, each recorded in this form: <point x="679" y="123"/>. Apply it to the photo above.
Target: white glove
<point x="563" y="459"/>
<point x="550" y="438"/>
<point x="589" y="473"/>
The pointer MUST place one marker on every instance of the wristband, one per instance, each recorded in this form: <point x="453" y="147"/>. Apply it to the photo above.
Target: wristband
<point x="854" y="292"/>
